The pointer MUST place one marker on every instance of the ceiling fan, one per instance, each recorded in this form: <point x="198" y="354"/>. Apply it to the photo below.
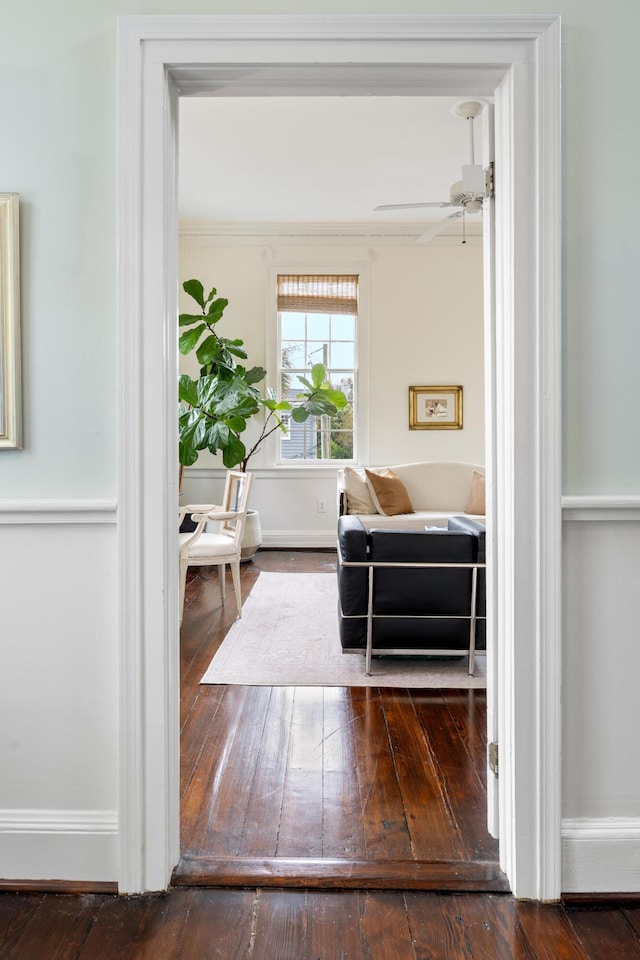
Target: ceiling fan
<point x="467" y="193"/>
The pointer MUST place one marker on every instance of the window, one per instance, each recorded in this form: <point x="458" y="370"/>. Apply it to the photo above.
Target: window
<point x="317" y="323"/>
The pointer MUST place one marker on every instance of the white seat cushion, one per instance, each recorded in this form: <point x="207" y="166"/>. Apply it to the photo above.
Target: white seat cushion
<point x="208" y="545"/>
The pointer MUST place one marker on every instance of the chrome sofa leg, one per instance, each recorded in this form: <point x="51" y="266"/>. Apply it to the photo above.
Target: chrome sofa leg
<point x="367" y="668"/>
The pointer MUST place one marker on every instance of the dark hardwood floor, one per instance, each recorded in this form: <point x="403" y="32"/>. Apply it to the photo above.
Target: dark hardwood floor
<point x="259" y="924"/>
<point x="328" y="786"/>
<point x="352" y="811"/>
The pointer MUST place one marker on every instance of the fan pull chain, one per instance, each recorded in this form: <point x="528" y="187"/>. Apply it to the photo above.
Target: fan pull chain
<point x="464" y="235"/>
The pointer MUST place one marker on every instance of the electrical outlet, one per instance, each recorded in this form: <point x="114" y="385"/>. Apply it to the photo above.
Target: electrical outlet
<point x="322" y="506"/>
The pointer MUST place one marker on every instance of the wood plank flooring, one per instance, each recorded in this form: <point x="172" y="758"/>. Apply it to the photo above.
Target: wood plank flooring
<point x="259" y="924"/>
<point x="360" y="787"/>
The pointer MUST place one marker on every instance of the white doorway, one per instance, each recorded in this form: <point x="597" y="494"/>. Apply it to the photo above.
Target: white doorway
<point x="514" y="60"/>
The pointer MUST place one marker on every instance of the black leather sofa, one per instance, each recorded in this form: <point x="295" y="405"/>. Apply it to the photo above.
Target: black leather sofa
<point x="390" y="603"/>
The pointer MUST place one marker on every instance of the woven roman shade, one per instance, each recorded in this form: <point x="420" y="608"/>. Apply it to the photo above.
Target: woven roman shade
<point x="315" y="293"/>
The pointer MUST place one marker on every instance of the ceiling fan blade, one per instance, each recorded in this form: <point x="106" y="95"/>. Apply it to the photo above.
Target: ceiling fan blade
<point x="411" y="206"/>
<point x="437" y="228"/>
<point x="473" y="178"/>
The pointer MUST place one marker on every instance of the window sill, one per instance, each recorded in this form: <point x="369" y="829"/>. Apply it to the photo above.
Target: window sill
<point x="279" y="471"/>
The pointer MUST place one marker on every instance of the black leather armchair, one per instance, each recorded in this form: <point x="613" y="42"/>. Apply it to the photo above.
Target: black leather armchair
<point x="404" y="592"/>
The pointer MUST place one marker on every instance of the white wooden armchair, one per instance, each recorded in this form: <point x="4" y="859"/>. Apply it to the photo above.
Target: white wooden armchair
<point x="201" y="548"/>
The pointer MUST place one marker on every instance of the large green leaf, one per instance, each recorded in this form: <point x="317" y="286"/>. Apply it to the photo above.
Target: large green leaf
<point x="318" y="405"/>
<point x="186" y="319"/>
<point x="217" y="436"/>
<point x="235" y="350"/>
<point x="189" y="338"/>
<point x="236" y="423"/>
<point x="200" y="434"/>
<point x="208" y="392"/>
<point x="188" y="417"/>
<point x="255" y="374"/>
<point x="318" y="374"/>
<point x="187" y="390"/>
<point x="272" y="404"/>
<point x="234" y="402"/>
<point x="210" y="350"/>
<point x="234" y="452"/>
<point x="187" y="455"/>
<point x="216" y="308"/>
<point x="300" y="414"/>
<point x="195" y="289"/>
<point x="336" y="397"/>
<point x="189" y="428"/>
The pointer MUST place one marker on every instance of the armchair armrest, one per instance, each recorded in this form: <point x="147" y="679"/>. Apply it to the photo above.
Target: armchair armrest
<point x="201" y="514"/>
<point x="352" y="538"/>
<point x="206" y="511"/>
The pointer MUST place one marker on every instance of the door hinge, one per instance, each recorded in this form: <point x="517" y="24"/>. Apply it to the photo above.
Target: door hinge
<point x="489" y="185"/>
<point x="492" y="753"/>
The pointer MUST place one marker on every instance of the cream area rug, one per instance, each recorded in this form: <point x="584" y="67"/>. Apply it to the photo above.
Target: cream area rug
<point x="288" y="636"/>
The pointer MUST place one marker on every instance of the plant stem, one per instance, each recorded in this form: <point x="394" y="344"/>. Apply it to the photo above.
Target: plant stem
<point x="264" y="433"/>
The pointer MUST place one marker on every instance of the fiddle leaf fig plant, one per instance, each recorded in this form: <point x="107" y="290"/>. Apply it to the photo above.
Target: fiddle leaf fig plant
<point x="216" y="408"/>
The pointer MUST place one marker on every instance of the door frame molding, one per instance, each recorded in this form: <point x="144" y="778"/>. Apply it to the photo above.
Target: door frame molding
<point x="517" y="61"/>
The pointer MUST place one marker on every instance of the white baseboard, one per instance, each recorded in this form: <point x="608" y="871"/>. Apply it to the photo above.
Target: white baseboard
<point x="299" y="539"/>
<point x="59" y="845"/>
<point x="601" y="855"/>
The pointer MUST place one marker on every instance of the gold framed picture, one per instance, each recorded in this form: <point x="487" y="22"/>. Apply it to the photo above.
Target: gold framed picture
<point x="435" y="408"/>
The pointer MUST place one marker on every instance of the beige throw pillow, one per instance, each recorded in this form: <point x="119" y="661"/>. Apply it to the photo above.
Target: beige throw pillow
<point x="357" y="491"/>
<point x="388" y="493"/>
<point x="477" y="499"/>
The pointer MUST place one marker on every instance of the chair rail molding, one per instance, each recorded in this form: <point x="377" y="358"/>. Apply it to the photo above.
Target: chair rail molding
<point x="514" y="59"/>
<point x="58" y="511"/>
<point x="600" y="507"/>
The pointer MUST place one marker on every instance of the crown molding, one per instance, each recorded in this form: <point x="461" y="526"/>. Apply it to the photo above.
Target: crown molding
<point x="242" y="233"/>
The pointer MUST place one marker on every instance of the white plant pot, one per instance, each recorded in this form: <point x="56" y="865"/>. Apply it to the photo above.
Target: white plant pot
<point x="252" y="537"/>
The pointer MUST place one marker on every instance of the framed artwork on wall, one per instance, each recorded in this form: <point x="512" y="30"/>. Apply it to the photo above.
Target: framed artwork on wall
<point x="435" y="408"/>
<point x="10" y="370"/>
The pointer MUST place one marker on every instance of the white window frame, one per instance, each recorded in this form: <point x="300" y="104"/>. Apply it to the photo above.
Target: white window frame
<point x="361" y="385"/>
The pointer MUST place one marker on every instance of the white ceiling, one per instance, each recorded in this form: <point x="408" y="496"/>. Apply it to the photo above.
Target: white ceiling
<point x="323" y="159"/>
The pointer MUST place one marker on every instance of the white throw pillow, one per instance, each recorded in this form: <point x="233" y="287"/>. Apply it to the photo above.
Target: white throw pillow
<point x="358" y="494"/>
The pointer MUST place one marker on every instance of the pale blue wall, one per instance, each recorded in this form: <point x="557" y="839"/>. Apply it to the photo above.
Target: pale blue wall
<point x="57" y="128"/>
<point x="57" y="121"/>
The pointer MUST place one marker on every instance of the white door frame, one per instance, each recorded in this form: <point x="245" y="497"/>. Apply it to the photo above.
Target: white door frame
<point x="514" y="59"/>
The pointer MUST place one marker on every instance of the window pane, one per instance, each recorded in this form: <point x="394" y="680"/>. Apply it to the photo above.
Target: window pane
<point x="343" y="327"/>
<point x="341" y="380"/>
<point x="318" y="326"/>
<point x="302" y="442"/>
<point x="292" y="326"/>
<point x="293" y="353"/>
<point x="341" y="445"/>
<point x="318" y="352"/>
<point x="291" y="384"/>
<point x="342" y="354"/>
<point x="340" y="437"/>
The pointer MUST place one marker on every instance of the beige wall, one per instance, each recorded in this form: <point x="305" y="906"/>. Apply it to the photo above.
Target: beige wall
<point x="424" y="322"/>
